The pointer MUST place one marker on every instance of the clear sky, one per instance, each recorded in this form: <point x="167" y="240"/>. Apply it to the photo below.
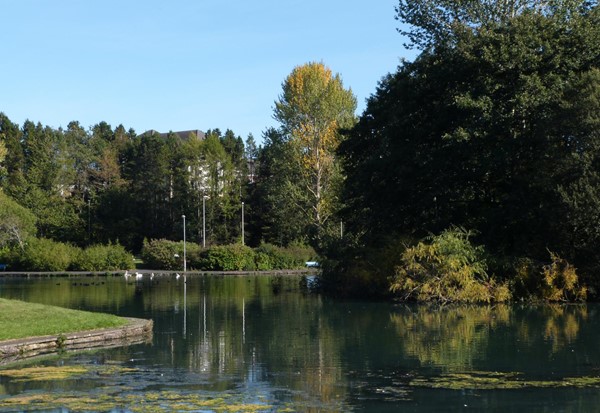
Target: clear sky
<point x="183" y="64"/>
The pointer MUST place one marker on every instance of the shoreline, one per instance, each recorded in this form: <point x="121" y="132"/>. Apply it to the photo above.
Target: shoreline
<point x="136" y="331"/>
<point x="307" y="271"/>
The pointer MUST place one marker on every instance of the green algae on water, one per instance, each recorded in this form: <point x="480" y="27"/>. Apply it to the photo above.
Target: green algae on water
<point x="44" y="373"/>
<point x="483" y="380"/>
<point x="168" y="401"/>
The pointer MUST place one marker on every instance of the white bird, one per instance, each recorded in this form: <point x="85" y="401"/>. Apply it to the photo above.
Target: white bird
<point x="151" y="276"/>
<point x="177" y="276"/>
<point x="138" y="276"/>
<point x="127" y="275"/>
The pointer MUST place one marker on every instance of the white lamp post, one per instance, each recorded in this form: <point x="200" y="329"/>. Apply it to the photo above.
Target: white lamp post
<point x="204" y="221"/>
<point x="184" y="251"/>
<point x="242" y="223"/>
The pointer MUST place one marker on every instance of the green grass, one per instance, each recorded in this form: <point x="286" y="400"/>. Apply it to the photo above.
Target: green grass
<point x="19" y="319"/>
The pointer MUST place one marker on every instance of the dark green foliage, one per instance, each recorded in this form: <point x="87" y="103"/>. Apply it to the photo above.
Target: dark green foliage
<point x="102" y="258"/>
<point x="497" y="132"/>
<point x="361" y="271"/>
<point x="149" y="170"/>
<point x="280" y="216"/>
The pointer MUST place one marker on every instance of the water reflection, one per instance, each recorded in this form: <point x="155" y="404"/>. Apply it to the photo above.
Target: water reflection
<point x="266" y="338"/>
<point x="452" y="338"/>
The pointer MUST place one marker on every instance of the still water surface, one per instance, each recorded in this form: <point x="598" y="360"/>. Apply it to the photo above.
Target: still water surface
<point x="262" y="343"/>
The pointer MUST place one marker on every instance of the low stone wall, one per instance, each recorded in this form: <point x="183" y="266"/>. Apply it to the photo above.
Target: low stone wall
<point x="134" y="332"/>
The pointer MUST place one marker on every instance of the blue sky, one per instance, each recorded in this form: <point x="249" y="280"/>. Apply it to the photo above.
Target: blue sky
<point x="183" y="64"/>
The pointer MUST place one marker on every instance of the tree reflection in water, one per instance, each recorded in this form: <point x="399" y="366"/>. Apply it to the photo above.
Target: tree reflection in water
<point x="264" y="338"/>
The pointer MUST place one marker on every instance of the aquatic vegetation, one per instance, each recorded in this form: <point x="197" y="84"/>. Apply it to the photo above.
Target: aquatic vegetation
<point x="44" y="373"/>
<point x="111" y="396"/>
<point x="168" y="401"/>
<point x="484" y="380"/>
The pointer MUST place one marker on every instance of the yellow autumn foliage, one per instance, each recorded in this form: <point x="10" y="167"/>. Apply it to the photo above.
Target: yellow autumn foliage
<point x="446" y="268"/>
<point x="556" y="281"/>
<point x="560" y="281"/>
<point x="313" y="107"/>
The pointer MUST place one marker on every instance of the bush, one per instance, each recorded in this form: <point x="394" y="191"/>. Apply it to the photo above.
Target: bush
<point x="41" y="254"/>
<point x="554" y="281"/>
<point x="270" y="257"/>
<point x="262" y="261"/>
<point x="446" y="268"/>
<point x="234" y="257"/>
<point x="102" y="258"/>
<point x="162" y="254"/>
<point x="168" y="255"/>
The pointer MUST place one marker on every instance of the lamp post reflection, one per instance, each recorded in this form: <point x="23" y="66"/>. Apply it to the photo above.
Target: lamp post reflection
<point x="184" y="251"/>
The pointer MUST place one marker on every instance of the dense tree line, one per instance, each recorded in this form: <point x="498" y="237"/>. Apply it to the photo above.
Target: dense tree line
<point x="107" y="185"/>
<point x="493" y="131"/>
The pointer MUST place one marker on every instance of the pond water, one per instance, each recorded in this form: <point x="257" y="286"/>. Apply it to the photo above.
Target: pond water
<point x="263" y="344"/>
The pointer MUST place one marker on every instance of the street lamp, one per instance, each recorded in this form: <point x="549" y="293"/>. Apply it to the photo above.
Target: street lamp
<point x="204" y="221"/>
<point x="242" y="223"/>
<point x="184" y="251"/>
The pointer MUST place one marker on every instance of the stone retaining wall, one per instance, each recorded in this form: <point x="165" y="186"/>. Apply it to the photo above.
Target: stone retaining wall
<point x="134" y="332"/>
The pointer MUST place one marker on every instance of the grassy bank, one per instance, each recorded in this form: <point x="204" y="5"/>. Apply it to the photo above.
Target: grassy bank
<point x="19" y="319"/>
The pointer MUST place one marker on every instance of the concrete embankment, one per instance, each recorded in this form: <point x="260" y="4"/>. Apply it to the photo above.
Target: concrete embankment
<point x="134" y="332"/>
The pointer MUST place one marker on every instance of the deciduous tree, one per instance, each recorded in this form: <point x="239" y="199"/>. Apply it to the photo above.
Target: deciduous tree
<point x="497" y="132"/>
<point x="312" y="109"/>
<point x="428" y="23"/>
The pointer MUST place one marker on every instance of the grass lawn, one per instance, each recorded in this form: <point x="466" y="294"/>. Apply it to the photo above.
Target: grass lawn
<point x="19" y="319"/>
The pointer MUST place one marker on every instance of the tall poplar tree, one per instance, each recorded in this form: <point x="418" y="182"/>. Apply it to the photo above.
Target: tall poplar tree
<point x="312" y="109"/>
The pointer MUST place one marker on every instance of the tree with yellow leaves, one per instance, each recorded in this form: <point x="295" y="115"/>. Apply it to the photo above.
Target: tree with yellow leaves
<point x="312" y="109"/>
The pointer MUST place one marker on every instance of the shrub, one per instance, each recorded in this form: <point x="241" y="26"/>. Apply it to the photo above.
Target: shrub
<point x="41" y="254"/>
<point x="162" y="254"/>
<point x="553" y="281"/>
<point x="446" y="268"/>
<point x="271" y="257"/>
<point x="234" y="257"/>
<point x="102" y="258"/>
<point x="262" y="261"/>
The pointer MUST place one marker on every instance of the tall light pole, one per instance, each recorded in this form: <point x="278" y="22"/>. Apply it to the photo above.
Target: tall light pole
<point x="242" y="223"/>
<point x="204" y="221"/>
<point x="184" y="251"/>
